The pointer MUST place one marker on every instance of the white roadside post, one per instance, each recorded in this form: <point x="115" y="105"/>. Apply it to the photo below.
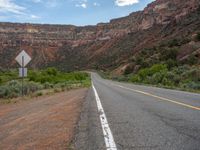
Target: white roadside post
<point x="23" y="59"/>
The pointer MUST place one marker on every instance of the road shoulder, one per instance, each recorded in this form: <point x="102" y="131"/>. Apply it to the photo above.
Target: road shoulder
<point x="44" y="123"/>
<point x="89" y="134"/>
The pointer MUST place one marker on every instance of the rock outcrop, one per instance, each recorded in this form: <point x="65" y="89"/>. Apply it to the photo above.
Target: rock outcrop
<point x="75" y="47"/>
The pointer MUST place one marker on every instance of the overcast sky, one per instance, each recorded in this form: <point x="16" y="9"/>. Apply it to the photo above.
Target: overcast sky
<point x="76" y="12"/>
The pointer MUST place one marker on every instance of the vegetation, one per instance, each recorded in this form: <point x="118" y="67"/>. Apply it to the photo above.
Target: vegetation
<point x="183" y="77"/>
<point x="198" y="36"/>
<point x="50" y="78"/>
<point x="159" y="66"/>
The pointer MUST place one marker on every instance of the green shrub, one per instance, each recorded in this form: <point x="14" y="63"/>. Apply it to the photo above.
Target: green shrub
<point x="8" y="75"/>
<point x="152" y="75"/>
<point x="135" y="78"/>
<point x="156" y="78"/>
<point x="158" y="68"/>
<point x="48" y="85"/>
<point x="1" y="80"/>
<point x="33" y="76"/>
<point x="171" y="63"/>
<point x="167" y="82"/>
<point x="192" y="74"/>
<point x="198" y="36"/>
<point x="31" y="87"/>
<point x="14" y="88"/>
<point x="173" y="43"/>
<point x="169" y="53"/>
<point x="39" y="93"/>
<point x="192" y="60"/>
<point x="10" y="90"/>
<point x="192" y="85"/>
<point x="52" y="76"/>
<point x="51" y="71"/>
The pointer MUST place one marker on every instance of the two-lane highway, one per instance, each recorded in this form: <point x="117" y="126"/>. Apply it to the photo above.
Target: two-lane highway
<point x="139" y="118"/>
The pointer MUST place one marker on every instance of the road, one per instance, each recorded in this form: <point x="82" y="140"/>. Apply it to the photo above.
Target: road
<point x="139" y="118"/>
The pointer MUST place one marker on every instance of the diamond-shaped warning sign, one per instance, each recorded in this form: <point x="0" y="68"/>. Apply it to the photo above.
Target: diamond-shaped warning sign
<point x="23" y="58"/>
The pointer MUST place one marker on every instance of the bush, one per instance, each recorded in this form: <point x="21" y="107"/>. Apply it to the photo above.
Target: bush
<point x="167" y="82"/>
<point x="198" y="36"/>
<point x="170" y="53"/>
<point x="51" y="71"/>
<point x="192" y="74"/>
<point x="31" y="87"/>
<point x="10" y="90"/>
<point x="192" y="59"/>
<point x="151" y="75"/>
<point x="1" y="80"/>
<point x="13" y="89"/>
<point x="8" y="76"/>
<point x="39" y="93"/>
<point x="171" y="63"/>
<point x="173" y="43"/>
<point x="52" y="76"/>
<point x="156" y="78"/>
<point x="135" y="78"/>
<point x="48" y="85"/>
<point x="192" y="85"/>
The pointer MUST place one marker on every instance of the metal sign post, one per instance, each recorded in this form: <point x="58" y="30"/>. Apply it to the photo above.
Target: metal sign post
<point x="23" y="59"/>
<point x="22" y="75"/>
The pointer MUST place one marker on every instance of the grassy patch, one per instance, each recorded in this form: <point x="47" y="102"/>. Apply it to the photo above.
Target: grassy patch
<point x="40" y="80"/>
<point x="185" y="77"/>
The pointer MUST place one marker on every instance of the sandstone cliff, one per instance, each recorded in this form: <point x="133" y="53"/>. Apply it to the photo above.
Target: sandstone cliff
<point x="104" y="46"/>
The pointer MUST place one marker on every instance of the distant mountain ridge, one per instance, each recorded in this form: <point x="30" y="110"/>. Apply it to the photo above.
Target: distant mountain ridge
<point x="107" y="46"/>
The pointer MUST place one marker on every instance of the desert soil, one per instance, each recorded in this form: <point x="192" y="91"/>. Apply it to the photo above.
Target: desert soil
<point x="46" y="122"/>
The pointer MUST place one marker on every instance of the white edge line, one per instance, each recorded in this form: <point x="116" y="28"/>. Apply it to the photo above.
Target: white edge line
<point x="108" y="137"/>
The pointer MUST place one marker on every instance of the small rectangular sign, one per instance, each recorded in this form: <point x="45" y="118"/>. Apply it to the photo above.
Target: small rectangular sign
<point x="22" y="72"/>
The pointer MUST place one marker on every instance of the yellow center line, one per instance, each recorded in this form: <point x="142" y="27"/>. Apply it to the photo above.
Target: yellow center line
<point x="162" y="98"/>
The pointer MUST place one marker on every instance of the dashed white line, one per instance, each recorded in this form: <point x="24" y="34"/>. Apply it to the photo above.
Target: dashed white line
<point x="108" y="137"/>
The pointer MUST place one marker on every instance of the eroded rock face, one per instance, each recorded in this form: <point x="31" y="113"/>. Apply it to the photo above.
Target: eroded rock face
<point x="49" y="44"/>
<point x="165" y="11"/>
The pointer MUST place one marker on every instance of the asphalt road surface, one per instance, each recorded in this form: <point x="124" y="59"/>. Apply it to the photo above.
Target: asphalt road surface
<point x="135" y="117"/>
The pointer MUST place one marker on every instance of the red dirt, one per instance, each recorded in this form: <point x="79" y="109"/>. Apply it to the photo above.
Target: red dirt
<point x="46" y="122"/>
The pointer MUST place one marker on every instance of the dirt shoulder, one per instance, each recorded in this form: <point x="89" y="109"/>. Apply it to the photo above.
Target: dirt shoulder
<point x="46" y="122"/>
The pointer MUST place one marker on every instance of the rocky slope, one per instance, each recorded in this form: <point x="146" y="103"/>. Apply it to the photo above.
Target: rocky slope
<point x="107" y="45"/>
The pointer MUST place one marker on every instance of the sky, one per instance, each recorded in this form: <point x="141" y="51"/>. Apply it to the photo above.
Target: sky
<point x="74" y="12"/>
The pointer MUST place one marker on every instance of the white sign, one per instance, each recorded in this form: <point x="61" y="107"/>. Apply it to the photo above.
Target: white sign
<point x="22" y="72"/>
<point x="23" y="58"/>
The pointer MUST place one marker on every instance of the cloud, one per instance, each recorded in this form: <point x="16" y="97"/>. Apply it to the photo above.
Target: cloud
<point x="12" y="10"/>
<point x="96" y="4"/>
<point x="3" y="17"/>
<point x="126" y="2"/>
<point x="37" y="1"/>
<point x="35" y="17"/>
<point x="9" y="6"/>
<point x="52" y="3"/>
<point x="83" y="5"/>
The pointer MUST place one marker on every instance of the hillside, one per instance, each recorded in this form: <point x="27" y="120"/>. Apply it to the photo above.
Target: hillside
<point x="116" y="46"/>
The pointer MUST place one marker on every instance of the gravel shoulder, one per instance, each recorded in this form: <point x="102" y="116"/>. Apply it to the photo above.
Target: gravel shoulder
<point x="46" y="122"/>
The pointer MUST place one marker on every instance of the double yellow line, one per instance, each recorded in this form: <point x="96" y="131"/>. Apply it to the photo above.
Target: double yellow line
<point x="158" y="97"/>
